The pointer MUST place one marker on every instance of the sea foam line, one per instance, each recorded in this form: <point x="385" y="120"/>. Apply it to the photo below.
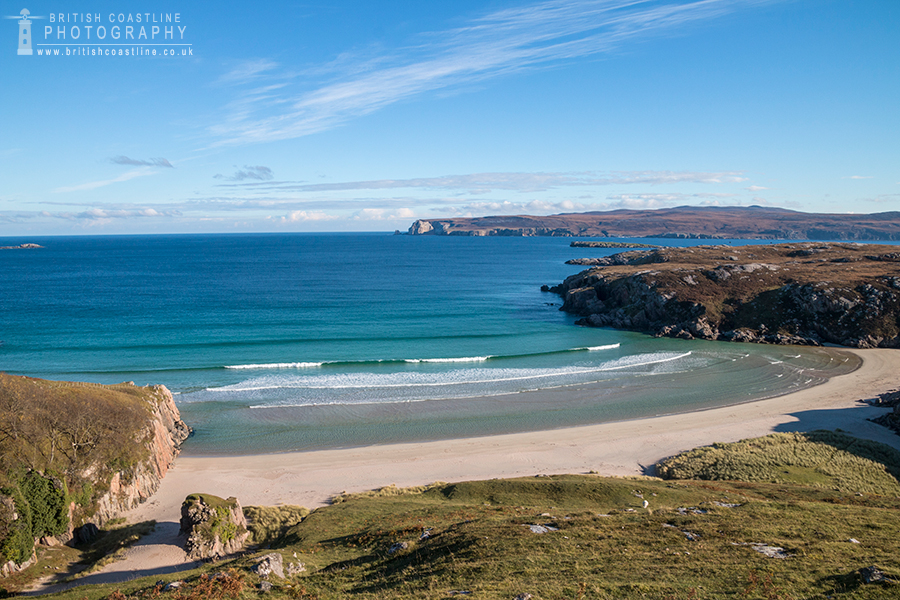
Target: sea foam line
<point x="292" y="365"/>
<point x="461" y="359"/>
<point x="557" y="373"/>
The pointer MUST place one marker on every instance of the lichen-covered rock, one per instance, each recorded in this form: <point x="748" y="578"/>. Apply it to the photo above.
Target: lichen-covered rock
<point x="270" y="564"/>
<point x="10" y="567"/>
<point x="213" y="527"/>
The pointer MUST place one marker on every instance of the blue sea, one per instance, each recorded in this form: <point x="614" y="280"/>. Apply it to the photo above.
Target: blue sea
<point x="278" y="342"/>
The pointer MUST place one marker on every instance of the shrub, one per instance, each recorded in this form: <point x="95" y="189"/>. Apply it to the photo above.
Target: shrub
<point x="47" y="499"/>
<point x="18" y="539"/>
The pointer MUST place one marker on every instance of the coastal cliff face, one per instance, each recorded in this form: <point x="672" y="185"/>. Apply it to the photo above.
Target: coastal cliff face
<point x="164" y="434"/>
<point x="687" y="222"/>
<point x="75" y="455"/>
<point x="846" y="294"/>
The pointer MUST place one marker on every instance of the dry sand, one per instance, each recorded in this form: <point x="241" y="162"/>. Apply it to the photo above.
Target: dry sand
<point x="622" y="448"/>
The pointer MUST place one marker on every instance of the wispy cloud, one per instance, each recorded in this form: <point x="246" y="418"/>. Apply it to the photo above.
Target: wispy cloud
<point x="103" y="214"/>
<point x="302" y="216"/>
<point x="150" y="162"/>
<point x="99" y="184"/>
<point x="248" y="70"/>
<point x="519" y="182"/>
<point x="859" y="177"/>
<point x="672" y="197"/>
<point x="882" y="198"/>
<point x="258" y="173"/>
<point x="755" y="188"/>
<point x="503" y="42"/>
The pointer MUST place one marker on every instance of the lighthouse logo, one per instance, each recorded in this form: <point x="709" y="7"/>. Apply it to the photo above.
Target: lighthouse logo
<point x="25" y="33"/>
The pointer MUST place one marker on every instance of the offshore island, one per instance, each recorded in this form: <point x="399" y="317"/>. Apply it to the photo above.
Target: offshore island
<point x="797" y="509"/>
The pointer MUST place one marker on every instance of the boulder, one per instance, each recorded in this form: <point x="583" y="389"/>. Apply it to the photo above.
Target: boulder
<point x="214" y="527"/>
<point x="270" y="564"/>
<point x="873" y="574"/>
<point x="86" y="534"/>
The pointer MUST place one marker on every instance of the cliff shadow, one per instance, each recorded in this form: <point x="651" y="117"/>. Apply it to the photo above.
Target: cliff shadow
<point x="160" y="552"/>
<point x="850" y="430"/>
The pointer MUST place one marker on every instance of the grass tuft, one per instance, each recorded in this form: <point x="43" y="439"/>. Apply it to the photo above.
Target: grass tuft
<point x="268" y="524"/>
<point x="824" y="459"/>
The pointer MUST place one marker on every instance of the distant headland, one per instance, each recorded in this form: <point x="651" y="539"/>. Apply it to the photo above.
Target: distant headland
<point x="689" y="222"/>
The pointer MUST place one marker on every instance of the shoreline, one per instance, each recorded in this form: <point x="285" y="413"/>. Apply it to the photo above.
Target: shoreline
<point x="623" y="448"/>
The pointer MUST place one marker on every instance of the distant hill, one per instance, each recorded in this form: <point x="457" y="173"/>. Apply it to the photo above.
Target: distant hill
<point x="736" y="222"/>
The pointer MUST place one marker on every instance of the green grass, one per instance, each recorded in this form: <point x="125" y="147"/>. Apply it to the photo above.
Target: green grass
<point x="819" y="458"/>
<point x="268" y="524"/>
<point x="66" y="563"/>
<point x="607" y="546"/>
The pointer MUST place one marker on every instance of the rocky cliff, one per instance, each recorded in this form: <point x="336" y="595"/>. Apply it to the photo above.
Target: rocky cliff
<point x="691" y="222"/>
<point x="805" y="293"/>
<point x="163" y="435"/>
<point x="74" y="455"/>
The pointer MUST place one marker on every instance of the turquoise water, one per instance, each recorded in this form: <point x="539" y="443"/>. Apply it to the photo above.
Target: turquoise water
<point x="285" y="342"/>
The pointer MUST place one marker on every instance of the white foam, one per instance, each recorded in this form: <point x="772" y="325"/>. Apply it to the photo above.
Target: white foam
<point x="462" y="359"/>
<point x="293" y="365"/>
<point x="404" y="379"/>
<point x="597" y="348"/>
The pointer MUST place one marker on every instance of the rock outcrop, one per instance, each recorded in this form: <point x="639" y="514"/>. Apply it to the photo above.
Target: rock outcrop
<point x="846" y="294"/>
<point x="213" y="527"/>
<point x="111" y="445"/>
<point x="683" y="222"/>
<point x="165" y="433"/>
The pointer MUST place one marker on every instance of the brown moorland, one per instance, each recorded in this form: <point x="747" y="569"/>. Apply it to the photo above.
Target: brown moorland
<point x="707" y="222"/>
<point x="801" y="293"/>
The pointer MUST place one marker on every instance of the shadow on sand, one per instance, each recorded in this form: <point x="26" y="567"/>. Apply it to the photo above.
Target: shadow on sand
<point x="158" y="553"/>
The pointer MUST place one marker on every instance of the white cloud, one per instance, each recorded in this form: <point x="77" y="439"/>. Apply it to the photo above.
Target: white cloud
<point x="755" y="188"/>
<point x="883" y="198"/>
<point x="481" y="183"/>
<point x="151" y="162"/>
<point x="93" y="185"/>
<point x="380" y="214"/>
<point x="247" y="70"/>
<point x="107" y="214"/>
<point x="259" y="173"/>
<point x="499" y="43"/>
<point x="859" y="177"/>
<point x="302" y="216"/>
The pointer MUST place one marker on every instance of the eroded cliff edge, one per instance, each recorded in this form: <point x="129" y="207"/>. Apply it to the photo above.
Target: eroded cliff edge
<point x="75" y="455"/>
<point x="803" y="293"/>
<point x="164" y="434"/>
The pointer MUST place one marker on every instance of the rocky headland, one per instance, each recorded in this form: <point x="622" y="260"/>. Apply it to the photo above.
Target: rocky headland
<point x="687" y="222"/>
<point x="800" y="293"/>
<point x="73" y="456"/>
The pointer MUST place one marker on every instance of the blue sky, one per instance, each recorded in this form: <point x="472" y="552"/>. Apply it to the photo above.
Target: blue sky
<point x="364" y="116"/>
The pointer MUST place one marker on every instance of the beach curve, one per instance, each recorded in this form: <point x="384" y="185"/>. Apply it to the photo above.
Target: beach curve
<point x="624" y="448"/>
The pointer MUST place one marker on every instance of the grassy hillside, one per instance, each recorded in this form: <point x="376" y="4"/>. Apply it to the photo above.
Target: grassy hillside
<point x="694" y="539"/>
<point x="61" y="443"/>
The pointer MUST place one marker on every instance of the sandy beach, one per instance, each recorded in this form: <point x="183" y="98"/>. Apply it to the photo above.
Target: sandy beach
<point x="619" y="449"/>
